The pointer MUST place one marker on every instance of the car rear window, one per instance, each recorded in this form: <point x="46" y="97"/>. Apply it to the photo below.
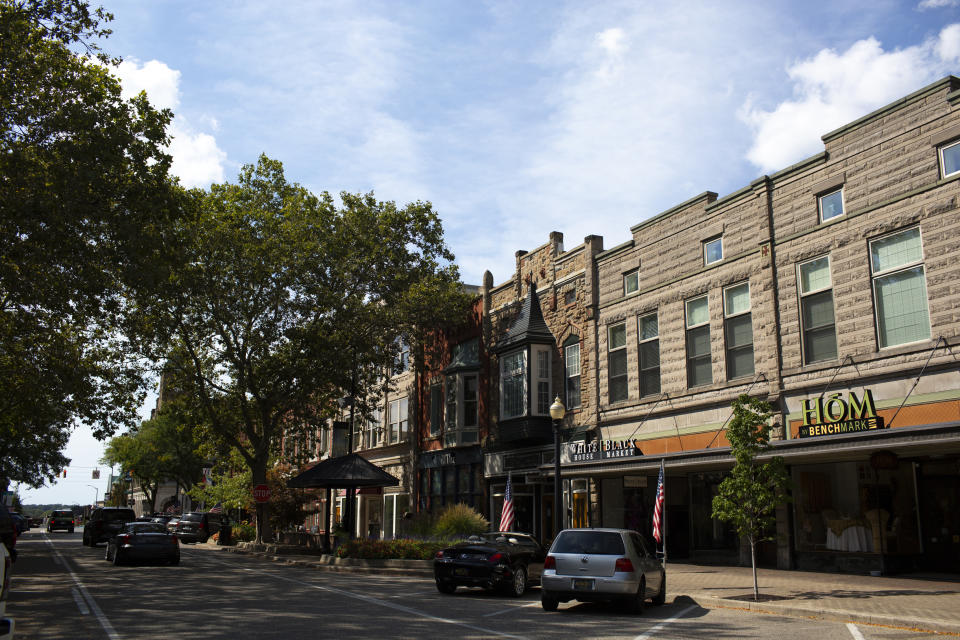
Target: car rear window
<point x="601" y="543"/>
<point x="146" y="527"/>
<point x="125" y="515"/>
<point x="193" y="517"/>
<point x="62" y="514"/>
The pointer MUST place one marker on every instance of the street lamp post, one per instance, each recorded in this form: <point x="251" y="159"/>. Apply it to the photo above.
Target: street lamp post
<point x="96" y="495"/>
<point x="557" y="410"/>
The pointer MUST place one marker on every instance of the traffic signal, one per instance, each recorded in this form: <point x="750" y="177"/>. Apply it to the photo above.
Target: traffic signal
<point x="64" y="473"/>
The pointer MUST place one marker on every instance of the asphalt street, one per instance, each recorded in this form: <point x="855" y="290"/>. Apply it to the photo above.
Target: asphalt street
<point x="62" y="589"/>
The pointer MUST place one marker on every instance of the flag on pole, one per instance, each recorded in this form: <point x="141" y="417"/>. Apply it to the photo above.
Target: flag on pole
<point x="658" y="508"/>
<point x="506" y="517"/>
<point x="217" y="508"/>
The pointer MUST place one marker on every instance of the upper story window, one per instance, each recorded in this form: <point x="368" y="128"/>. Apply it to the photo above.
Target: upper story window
<point x="816" y="310"/>
<point x="512" y="384"/>
<point x="712" y="251"/>
<point x="699" y="365"/>
<point x="899" y="288"/>
<point x="631" y="282"/>
<point x="324" y="440"/>
<point x="569" y="296"/>
<point x="372" y="430"/>
<point x="649" y="355"/>
<point x="402" y="361"/>
<point x="830" y="205"/>
<point x="949" y="159"/>
<point x="398" y="421"/>
<point x="436" y="407"/>
<point x="571" y="365"/>
<point x="542" y="381"/>
<point x="738" y="330"/>
<point x="462" y="406"/>
<point x="617" y="362"/>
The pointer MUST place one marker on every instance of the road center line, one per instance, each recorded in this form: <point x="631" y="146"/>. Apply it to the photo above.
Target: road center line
<point x="650" y="632"/>
<point x="79" y="600"/>
<point x="102" y="619"/>
<point x="854" y="631"/>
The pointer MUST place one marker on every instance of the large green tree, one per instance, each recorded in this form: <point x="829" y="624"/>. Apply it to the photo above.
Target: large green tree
<point x="83" y="188"/>
<point x="278" y="302"/>
<point x="749" y="496"/>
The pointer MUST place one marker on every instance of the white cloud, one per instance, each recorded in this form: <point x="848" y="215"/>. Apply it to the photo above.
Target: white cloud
<point x="831" y="89"/>
<point x="197" y="160"/>
<point x="938" y="4"/>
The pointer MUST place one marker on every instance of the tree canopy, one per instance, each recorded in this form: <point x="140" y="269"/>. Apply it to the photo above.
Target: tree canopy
<point x="84" y="186"/>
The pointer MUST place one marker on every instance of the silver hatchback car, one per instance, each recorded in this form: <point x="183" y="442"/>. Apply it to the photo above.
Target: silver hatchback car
<point x="593" y="565"/>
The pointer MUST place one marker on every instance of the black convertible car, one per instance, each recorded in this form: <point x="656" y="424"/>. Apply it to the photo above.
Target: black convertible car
<point x="501" y="560"/>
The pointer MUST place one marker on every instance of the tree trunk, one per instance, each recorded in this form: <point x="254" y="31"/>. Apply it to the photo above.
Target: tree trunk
<point x="753" y="561"/>
<point x="259" y="476"/>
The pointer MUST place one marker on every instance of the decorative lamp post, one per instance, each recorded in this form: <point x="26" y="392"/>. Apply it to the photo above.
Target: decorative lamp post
<point x="557" y="411"/>
<point x="96" y="495"/>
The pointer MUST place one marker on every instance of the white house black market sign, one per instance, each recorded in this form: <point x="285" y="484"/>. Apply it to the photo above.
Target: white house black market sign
<point x="833" y="415"/>
<point x="604" y="450"/>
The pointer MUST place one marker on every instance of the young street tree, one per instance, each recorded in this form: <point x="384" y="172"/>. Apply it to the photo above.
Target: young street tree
<point x="278" y="302"/>
<point x="749" y="496"/>
<point x="84" y="180"/>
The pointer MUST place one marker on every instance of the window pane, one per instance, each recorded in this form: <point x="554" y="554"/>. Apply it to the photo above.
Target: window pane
<point x="951" y="159"/>
<point x="712" y="251"/>
<point x="740" y="362"/>
<point x="649" y="367"/>
<point x="631" y="282"/>
<point x="902" y="307"/>
<point x="650" y="354"/>
<point x="820" y="344"/>
<point x="572" y="359"/>
<point x="648" y="327"/>
<point x="831" y="205"/>
<point x="618" y="336"/>
<point x="573" y="392"/>
<point x="543" y="364"/>
<point x="818" y="310"/>
<point x="736" y="299"/>
<point x="815" y="275"/>
<point x="436" y="408"/>
<point x="698" y="312"/>
<point x="740" y="330"/>
<point x="896" y="250"/>
<point x="699" y="370"/>
<point x="470" y="401"/>
<point x="618" y="375"/>
<point x="543" y="397"/>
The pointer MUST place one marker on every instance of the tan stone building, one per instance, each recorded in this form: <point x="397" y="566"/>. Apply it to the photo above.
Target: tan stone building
<point x="830" y="288"/>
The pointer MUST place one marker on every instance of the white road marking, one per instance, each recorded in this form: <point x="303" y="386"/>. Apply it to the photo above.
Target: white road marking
<point x="79" y="600"/>
<point x="510" y="609"/>
<point x="650" y="632"/>
<point x="854" y="631"/>
<point x="102" y="619"/>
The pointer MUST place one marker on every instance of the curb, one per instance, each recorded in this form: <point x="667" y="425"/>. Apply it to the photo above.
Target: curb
<point x="792" y="611"/>
<point x="330" y="565"/>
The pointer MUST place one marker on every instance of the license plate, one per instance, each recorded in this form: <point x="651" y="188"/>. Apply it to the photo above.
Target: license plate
<point x="459" y="571"/>
<point x="583" y="585"/>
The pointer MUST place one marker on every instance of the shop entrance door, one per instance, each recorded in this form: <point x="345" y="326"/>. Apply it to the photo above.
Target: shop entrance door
<point x="940" y="516"/>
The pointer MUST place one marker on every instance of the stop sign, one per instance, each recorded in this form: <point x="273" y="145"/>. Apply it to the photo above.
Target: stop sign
<point x="261" y="493"/>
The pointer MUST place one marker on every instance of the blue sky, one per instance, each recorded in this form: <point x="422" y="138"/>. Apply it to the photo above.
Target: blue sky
<point x="519" y="118"/>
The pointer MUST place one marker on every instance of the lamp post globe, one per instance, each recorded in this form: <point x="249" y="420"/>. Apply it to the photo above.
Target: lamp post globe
<point x="557" y="411"/>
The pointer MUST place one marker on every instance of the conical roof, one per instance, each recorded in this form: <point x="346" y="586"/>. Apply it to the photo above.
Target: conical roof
<point x="529" y="327"/>
<point x="352" y="470"/>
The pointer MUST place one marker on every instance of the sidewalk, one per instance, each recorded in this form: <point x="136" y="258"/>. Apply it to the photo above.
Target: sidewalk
<point x="902" y="602"/>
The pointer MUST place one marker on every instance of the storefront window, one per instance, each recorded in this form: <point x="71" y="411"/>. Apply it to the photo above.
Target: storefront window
<point x="708" y="532"/>
<point x="523" y="495"/>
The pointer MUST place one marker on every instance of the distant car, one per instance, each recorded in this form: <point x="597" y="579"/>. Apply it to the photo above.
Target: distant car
<point x="20" y="522"/>
<point x="502" y="560"/>
<point x="592" y="565"/>
<point x="198" y="526"/>
<point x="172" y="524"/>
<point x="104" y="523"/>
<point x="162" y="519"/>
<point x="61" y="519"/>
<point x="6" y="565"/>
<point x="143" y="541"/>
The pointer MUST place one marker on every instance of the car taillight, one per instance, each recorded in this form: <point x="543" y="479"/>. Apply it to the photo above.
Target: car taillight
<point x="624" y="565"/>
<point x="124" y="539"/>
<point x="174" y="539"/>
<point x="439" y="554"/>
<point x="72" y="522"/>
<point x="550" y="563"/>
<point x="201" y="526"/>
<point x="497" y="557"/>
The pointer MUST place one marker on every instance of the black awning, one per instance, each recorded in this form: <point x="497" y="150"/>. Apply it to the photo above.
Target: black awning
<point x="343" y="472"/>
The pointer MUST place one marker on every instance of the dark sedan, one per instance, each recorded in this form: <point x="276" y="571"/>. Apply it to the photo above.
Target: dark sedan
<point x="501" y="560"/>
<point x="143" y="541"/>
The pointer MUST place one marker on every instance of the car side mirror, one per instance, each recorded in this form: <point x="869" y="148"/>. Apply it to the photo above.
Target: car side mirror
<point x="513" y="541"/>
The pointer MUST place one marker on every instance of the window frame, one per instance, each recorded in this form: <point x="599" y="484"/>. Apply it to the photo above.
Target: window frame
<point x="401" y="362"/>
<point x="402" y="430"/>
<point x="573" y="342"/>
<point x="728" y="319"/>
<point x="641" y="341"/>
<point x="689" y="329"/>
<point x="943" y="166"/>
<point x="436" y="407"/>
<point x="541" y="380"/>
<point x="632" y="276"/>
<point x="876" y="276"/>
<point x="457" y="428"/>
<point x="618" y="352"/>
<point x="705" y="247"/>
<point x="806" y="295"/>
<point x="827" y="194"/>
<point x="520" y="374"/>
<point x="372" y="429"/>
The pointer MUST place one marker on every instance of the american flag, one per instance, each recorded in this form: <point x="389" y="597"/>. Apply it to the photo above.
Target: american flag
<point x="506" y="519"/>
<point x="658" y="508"/>
<point x="217" y="508"/>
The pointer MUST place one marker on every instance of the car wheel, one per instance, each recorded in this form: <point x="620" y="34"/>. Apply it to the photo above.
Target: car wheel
<point x="661" y="596"/>
<point x="446" y="587"/>
<point x="519" y="583"/>
<point x="636" y="603"/>
<point x="549" y="603"/>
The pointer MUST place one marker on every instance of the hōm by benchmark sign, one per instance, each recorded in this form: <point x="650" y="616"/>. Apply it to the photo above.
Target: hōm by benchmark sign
<point x="833" y="415"/>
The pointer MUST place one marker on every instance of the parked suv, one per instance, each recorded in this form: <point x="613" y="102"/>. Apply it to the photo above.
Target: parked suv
<point x="61" y="519"/>
<point x="197" y="526"/>
<point x="104" y="523"/>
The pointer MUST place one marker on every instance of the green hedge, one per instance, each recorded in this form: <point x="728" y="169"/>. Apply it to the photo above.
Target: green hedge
<point x="390" y="549"/>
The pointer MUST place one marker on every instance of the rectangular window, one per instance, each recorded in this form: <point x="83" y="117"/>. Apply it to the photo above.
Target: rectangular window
<point x="571" y="363"/>
<point x="649" y="355"/>
<point x="816" y="310"/>
<point x="631" y="282"/>
<point x="899" y="288"/>
<point x="830" y="205"/>
<point x="699" y="368"/>
<point x="712" y="251"/>
<point x="372" y="429"/>
<point x="543" y="380"/>
<point x="617" y="367"/>
<point x="398" y="420"/>
<point x="950" y="159"/>
<point x="738" y="330"/>
<point x="462" y="410"/>
<point x="512" y="387"/>
<point x="436" y="408"/>
<point x="402" y="361"/>
<point x="569" y="296"/>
